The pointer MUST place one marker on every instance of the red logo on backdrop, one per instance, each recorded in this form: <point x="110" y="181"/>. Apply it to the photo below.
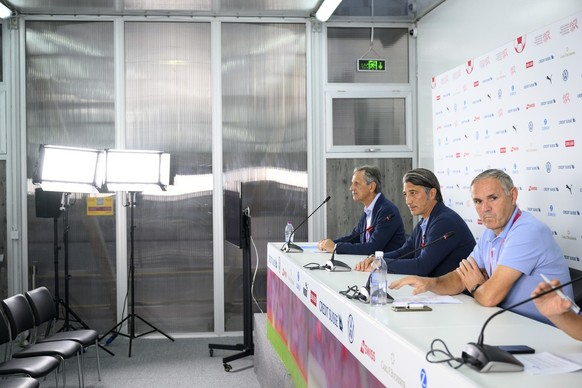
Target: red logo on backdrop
<point x="457" y="155"/>
<point x="519" y="44"/>
<point x="566" y="98"/>
<point x="438" y="98"/>
<point x="479" y="221"/>
<point x="569" y="143"/>
<point x="433" y="82"/>
<point x="503" y="150"/>
<point x="475" y="84"/>
<point x="313" y="298"/>
<point x="368" y="351"/>
<point x="528" y="64"/>
<point x="469" y="67"/>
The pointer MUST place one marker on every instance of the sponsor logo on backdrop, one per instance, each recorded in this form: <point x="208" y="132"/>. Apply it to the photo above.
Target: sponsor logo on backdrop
<point x="565" y="75"/>
<point x="569" y="236"/>
<point x="367" y="351"/>
<point x="351" y="329"/>
<point x="433" y="82"/>
<point x="551" y="189"/>
<point x="572" y="258"/>
<point x="469" y="67"/>
<point x="305" y="289"/>
<point x="542" y="38"/>
<point x="389" y="368"/>
<point x="423" y="378"/>
<point x="519" y="44"/>
<point x="298" y="282"/>
<point x="567" y="121"/>
<point x="551" y="211"/>
<point x="548" y="167"/>
<point x="333" y="317"/>
<point x="569" y="187"/>
<point x="569" y="27"/>
<point x="571" y="212"/>
<point x="272" y="261"/>
<point x="566" y="167"/>
<point x="313" y="298"/>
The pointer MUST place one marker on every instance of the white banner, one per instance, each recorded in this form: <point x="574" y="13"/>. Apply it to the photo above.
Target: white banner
<point x="517" y="108"/>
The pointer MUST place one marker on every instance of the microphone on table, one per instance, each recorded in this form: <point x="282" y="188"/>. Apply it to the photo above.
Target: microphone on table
<point x="488" y="358"/>
<point x="290" y="247"/>
<point x="365" y="290"/>
<point x="333" y="264"/>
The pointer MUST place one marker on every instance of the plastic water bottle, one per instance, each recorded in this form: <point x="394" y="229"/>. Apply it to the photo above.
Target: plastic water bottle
<point x="379" y="281"/>
<point x="289" y="232"/>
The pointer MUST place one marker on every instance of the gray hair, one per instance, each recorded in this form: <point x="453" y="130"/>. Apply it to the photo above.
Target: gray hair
<point x="371" y="174"/>
<point x="504" y="180"/>
<point x="425" y="178"/>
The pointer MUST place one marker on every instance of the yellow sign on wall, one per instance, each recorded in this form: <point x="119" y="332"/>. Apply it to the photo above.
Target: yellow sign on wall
<point x="100" y="206"/>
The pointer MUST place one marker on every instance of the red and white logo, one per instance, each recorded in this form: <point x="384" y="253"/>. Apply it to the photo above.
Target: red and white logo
<point x="519" y="44"/>
<point x="469" y="67"/>
<point x="313" y="298"/>
<point x="368" y="351"/>
<point x="433" y="82"/>
<point x="569" y="143"/>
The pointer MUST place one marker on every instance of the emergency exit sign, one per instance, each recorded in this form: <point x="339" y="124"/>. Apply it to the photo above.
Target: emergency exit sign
<point x="371" y="64"/>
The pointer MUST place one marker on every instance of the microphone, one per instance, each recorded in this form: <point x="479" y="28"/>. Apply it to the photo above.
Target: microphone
<point x="333" y="264"/>
<point x="365" y="290"/>
<point x="291" y="247"/>
<point x="487" y="358"/>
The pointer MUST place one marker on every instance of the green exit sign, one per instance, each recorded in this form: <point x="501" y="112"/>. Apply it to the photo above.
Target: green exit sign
<point x="371" y="64"/>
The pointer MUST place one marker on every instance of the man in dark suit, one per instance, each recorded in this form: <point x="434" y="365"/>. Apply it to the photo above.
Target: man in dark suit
<point x="422" y="191"/>
<point x="380" y="228"/>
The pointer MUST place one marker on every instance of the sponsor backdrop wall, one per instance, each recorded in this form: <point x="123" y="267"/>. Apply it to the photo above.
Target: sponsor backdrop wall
<point x="517" y="108"/>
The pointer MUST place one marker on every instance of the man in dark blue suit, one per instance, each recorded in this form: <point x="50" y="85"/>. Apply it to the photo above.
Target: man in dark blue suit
<point x="380" y="228"/>
<point x="422" y="191"/>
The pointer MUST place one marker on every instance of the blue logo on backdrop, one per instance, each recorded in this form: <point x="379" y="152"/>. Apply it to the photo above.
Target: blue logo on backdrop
<point x="548" y="167"/>
<point x="565" y="75"/>
<point x="423" y="378"/>
<point x="351" y="329"/>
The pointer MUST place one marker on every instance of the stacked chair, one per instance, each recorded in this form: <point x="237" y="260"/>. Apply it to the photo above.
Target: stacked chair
<point x="32" y="367"/>
<point x="45" y="311"/>
<point x="26" y="313"/>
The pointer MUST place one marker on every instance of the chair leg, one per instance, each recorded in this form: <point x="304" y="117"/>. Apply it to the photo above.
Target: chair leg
<point x="80" y="370"/>
<point x="98" y="363"/>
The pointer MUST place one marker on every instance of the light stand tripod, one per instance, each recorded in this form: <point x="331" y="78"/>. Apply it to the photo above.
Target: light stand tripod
<point x="247" y="347"/>
<point x="131" y="316"/>
<point x="65" y="303"/>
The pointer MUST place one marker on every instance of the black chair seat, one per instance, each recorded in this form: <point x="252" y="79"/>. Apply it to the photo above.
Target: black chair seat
<point x="19" y="382"/>
<point x="84" y="337"/>
<point x="66" y="349"/>
<point x="35" y="367"/>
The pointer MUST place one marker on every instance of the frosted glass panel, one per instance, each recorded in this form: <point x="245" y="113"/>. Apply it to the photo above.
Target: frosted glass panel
<point x="264" y="141"/>
<point x="346" y="45"/>
<point x="168" y="108"/>
<point x="70" y="102"/>
<point x="369" y="121"/>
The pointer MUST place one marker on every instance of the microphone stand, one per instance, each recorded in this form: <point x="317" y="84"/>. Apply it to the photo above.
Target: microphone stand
<point x="289" y="246"/>
<point x="485" y="358"/>
<point x="365" y="290"/>
<point x="333" y="265"/>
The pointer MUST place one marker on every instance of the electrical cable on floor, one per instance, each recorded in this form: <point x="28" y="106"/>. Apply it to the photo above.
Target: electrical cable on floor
<point x="255" y="275"/>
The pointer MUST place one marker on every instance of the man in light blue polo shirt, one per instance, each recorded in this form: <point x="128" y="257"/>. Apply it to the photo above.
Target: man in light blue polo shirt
<point x="509" y="258"/>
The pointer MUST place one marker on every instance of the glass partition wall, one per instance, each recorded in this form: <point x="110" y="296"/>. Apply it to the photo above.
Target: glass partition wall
<point x="236" y="118"/>
<point x="167" y="79"/>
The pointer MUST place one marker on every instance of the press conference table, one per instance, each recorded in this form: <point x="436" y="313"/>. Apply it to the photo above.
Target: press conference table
<point x="392" y="346"/>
